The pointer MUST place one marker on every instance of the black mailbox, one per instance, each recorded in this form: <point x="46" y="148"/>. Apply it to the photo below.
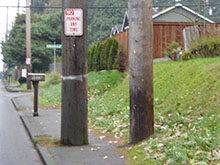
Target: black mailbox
<point x="35" y="78"/>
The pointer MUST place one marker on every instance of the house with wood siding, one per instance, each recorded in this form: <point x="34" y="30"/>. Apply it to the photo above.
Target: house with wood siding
<point x="168" y="26"/>
<point x="176" y="13"/>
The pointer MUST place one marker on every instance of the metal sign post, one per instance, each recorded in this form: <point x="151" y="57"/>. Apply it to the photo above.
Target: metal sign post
<point x="54" y="57"/>
<point x="54" y="46"/>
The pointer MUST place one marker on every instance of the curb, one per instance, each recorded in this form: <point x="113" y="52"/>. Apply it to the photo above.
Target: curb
<point x="36" y="146"/>
<point x="14" y="104"/>
<point x="7" y="87"/>
<point x="44" y="154"/>
<point x="48" y="156"/>
<point x="40" y="150"/>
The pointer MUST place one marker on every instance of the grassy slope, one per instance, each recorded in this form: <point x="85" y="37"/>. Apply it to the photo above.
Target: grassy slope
<point x="187" y="112"/>
<point x="100" y="82"/>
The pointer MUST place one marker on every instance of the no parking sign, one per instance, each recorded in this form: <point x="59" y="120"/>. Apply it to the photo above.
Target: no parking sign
<point x="73" y="22"/>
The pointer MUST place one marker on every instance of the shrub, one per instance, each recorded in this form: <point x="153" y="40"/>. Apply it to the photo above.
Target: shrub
<point x="55" y="79"/>
<point x="59" y="59"/>
<point x="170" y="48"/>
<point x="22" y="80"/>
<point x="187" y="56"/>
<point x="51" y="79"/>
<point x="91" y="52"/>
<point x="122" y="61"/>
<point x="113" y="55"/>
<point x="206" y="47"/>
<point x="97" y="57"/>
<point x="104" y="56"/>
<point x="107" y="53"/>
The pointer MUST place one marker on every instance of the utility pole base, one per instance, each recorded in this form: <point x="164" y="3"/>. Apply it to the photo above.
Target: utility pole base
<point x="35" y="114"/>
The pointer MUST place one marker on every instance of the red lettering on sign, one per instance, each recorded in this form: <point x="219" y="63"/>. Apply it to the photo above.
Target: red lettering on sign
<point x="73" y="24"/>
<point x="69" y="12"/>
<point x="73" y="30"/>
<point x="73" y="18"/>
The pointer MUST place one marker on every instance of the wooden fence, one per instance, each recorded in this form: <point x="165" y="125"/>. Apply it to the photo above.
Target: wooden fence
<point x="164" y="34"/>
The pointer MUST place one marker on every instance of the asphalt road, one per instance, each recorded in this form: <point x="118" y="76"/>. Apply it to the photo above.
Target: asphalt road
<point x="15" y="145"/>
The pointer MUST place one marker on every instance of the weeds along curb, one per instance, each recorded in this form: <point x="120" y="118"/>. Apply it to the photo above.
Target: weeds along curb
<point x="36" y="146"/>
<point x="8" y="87"/>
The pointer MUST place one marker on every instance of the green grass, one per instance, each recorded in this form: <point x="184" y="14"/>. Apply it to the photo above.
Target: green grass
<point x="24" y="87"/>
<point x="99" y="83"/>
<point x="46" y="141"/>
<point x="187" y="112"/>
<point x="14" y="82"/>
<point x="50" y="97"/>
<point x="51" y="80"/>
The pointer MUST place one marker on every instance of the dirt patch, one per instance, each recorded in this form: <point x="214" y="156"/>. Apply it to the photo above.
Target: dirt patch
<point x="47" y="141"/>
<point x="22" y="109"/>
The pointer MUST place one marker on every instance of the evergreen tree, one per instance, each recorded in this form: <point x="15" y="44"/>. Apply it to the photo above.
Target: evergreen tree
<point x="97" y="55"/>
<point x="91" y="56"/>
<point x="40" y="4"/>
<point x="107" y="48"/>
<point x="102" y="20"/>
<point x="113" y="53"/>
<point x="44" y="30"/>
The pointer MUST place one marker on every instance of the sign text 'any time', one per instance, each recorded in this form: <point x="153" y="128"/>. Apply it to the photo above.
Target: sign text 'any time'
<point x="73" y="19"/>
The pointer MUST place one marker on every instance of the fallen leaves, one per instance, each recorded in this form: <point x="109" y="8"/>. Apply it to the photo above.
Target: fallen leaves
<point x="105" y="157"/>
<point x="95" y="149"/>
<point x="135" y="158"/>
<point x="180" y="121"/>
<point x="101" y="137"/>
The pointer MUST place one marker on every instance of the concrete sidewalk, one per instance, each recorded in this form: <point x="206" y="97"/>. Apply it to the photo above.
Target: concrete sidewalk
<point x="98" y="152"/>
<point x="10" y="87"/>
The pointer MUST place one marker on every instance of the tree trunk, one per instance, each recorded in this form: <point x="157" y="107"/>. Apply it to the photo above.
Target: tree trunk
<point x="141" y="70"/>
<point x="74" y="120"/>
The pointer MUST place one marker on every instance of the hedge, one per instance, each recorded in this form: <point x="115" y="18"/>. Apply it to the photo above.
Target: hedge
<point x="206" y="47"/>
<point x="105" y="56"/>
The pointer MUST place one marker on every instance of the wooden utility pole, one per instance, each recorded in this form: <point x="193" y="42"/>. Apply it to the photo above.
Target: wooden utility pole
<point x="74" y="115"/>
<point x="141" y="69"/>
<point x="18" y="6"/>
<point x="6" y="35"/>
<point x="28" y="42"/>
<point x="207" y="7"/>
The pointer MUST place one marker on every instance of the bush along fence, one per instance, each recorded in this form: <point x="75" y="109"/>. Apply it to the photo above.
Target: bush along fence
<point x="106" y="56"/>
<point x="165" y="35"/>
<point x="206" y="47"/>
<point x="203" y="40"/>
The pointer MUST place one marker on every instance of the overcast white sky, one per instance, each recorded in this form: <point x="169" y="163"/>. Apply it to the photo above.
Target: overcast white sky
<point x="11" y="16"/>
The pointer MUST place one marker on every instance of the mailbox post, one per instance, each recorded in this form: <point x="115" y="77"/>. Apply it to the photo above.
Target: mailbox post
<point x="9" y="78"/>
<point x="35" y="78"/>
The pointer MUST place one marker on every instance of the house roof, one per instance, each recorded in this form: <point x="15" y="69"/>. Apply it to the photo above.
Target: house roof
<point x="125" y="24"/>
<point x="116" y="29"/>
<point x="183" y="7"/>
